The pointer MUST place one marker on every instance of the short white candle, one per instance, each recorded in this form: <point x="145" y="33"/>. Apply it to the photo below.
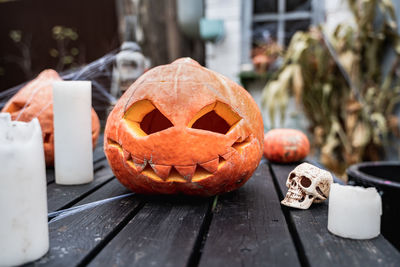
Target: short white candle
<point x="354" y="212"/>
<point x="24" y="234"/>
<point x="73" y="155"/>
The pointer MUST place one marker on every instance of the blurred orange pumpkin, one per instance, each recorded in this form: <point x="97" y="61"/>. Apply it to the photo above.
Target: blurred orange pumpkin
<point x="36" y="100"/>
<point x="181" y="128"/>
<point x="286" y="145"/>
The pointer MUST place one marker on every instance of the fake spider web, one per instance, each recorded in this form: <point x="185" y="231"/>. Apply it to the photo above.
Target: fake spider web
<point x="99" y="72"/>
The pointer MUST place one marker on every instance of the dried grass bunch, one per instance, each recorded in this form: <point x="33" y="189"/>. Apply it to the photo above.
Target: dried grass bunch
<point x="347" y="92"/>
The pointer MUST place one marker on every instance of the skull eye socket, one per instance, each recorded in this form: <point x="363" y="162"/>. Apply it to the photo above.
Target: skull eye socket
<point x="143" y="118"/>
<point x="217" y="117"/>
<point x="305" y="182"/>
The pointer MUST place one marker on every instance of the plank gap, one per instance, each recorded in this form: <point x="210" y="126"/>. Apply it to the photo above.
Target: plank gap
<point x="195" y="256"/>
<point x="96" y="250"/>
<point x="292" y="229"/>
<point x="98" y="168"/>
<point x="99" y="159"/>
<point x="76" y="200"/>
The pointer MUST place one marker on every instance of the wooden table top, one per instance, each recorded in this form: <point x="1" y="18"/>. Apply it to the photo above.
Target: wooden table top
<point x="104" y="224"/>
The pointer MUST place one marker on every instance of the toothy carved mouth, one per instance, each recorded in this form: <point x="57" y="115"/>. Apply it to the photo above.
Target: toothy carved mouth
<point x="240" y="144"/>
<point x="172" y="173"/>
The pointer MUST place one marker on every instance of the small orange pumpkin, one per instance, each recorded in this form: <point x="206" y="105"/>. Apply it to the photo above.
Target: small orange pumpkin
<point x="181" y="128"/>
<point x="286" y="145"/>
<point x="36" y="100"/>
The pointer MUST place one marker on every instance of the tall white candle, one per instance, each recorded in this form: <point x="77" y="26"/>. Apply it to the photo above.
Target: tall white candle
<point x="354" y="212"/>
<point x="24" y="234"/>
<point x="73" y="155"/>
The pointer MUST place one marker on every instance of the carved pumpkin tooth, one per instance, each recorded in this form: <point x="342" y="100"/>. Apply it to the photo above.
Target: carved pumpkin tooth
<point x="227" y="155"/>
<point x="211" y="165"/>
<point x="161" y="170"/>
<point x="138" y="161"/>
<point x="186" y="171"/>
<point x="240" y="144"/>
<point x="200" y="174"/>
<point x="140" y="166"/>
<point x="127" y="155"/>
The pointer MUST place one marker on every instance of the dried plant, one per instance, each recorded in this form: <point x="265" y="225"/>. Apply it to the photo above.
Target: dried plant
<point x="67" y="56"/>
<point x="347" y="95"/>
<point x="23" y="43"/>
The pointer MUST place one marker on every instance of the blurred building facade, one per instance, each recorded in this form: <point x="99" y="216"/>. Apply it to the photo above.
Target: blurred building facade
<point x="249" y="23"/>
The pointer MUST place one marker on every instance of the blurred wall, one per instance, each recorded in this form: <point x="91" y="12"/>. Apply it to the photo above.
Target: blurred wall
<point x="245" y="20"/>
<point x="225" y="55"/>
<point x="337" y="12"/>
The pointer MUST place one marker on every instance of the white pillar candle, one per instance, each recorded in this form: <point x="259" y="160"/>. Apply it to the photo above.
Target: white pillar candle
<point x="73" y="155"/>
<point x="354" y="212"/>
<point x="24" y="234"/>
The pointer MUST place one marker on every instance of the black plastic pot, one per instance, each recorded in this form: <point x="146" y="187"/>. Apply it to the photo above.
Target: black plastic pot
<point x="385" y="177"/>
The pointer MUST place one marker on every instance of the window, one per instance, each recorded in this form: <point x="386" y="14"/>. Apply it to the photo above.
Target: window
<point x="278" y="20"/>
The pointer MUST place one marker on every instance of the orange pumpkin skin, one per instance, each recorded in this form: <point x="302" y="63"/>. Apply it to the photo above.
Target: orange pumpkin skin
<point x="183" y="158"/>
<point x="286" y="145"/>
<point x="36" y="100"/>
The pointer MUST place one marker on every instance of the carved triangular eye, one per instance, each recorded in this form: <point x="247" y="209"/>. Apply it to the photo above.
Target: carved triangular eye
<point x="143" y="118"/>
<point x="217" y="117"/>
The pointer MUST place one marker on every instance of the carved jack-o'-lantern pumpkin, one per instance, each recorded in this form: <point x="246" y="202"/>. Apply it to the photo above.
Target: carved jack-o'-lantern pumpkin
<point x="181" y="128"/>
<point x="36" y="100"/>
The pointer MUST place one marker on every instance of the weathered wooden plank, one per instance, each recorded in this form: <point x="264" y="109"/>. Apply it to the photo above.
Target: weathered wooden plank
<point x="248" y="227"/>
<point x="321" y="248"/>
<point x="163" y="233"/>
<point x="63" y="196"/>
<point x="73" y="238"/>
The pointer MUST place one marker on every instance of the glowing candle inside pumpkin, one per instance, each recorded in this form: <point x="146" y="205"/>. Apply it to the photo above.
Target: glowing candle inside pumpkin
<point x="73" y="156"/>
<point x="24" y="234"/>
<point x="354" y="212"/>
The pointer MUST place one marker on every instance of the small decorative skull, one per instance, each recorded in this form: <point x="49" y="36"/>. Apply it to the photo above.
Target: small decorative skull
<point x="307" y="184"/>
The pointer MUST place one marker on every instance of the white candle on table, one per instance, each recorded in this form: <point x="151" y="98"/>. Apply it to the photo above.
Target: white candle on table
<point x="354" y="212"/>
<point x="73" y="155"/>
<point x="24" y="234"/>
